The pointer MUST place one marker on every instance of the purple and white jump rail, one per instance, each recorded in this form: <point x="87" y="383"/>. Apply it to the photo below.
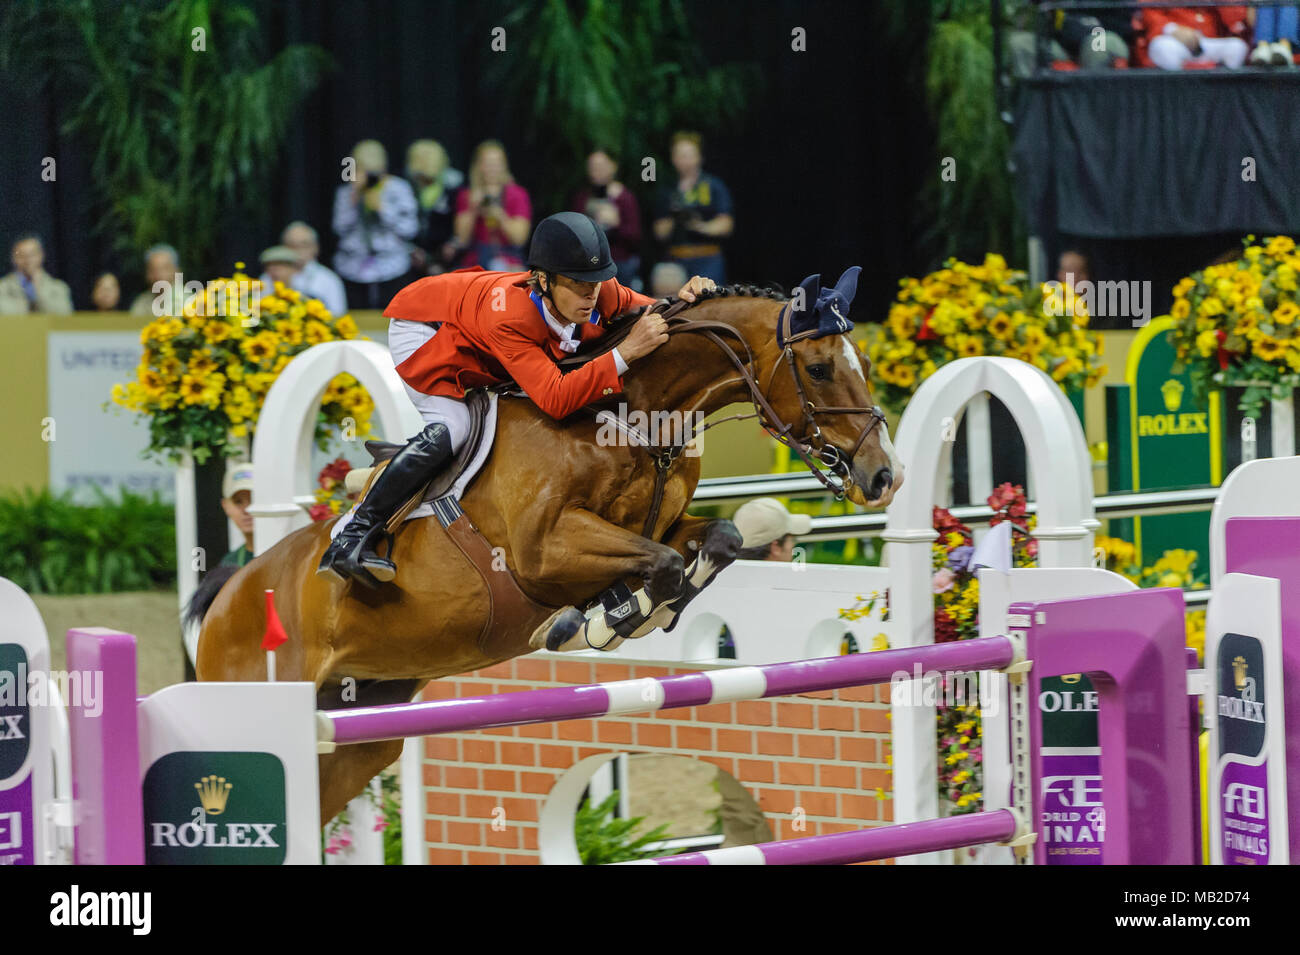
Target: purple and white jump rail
<point x="1131" y="645"/>
<point x="369" y="724"/>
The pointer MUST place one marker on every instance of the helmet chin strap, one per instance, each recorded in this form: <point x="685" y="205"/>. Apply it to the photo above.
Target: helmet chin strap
<point x="546" y="292"/>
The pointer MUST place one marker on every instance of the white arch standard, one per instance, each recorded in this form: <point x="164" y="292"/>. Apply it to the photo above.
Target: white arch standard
<point x="1057" y="453"/>
<point x="1262" y="488"/>
<point x="287" y="425"/>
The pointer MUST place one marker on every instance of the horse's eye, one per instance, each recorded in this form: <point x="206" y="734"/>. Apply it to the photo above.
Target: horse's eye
<point x="819" y="372"/>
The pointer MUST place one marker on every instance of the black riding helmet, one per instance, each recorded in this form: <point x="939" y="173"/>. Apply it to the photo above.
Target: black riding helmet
<point x="572" y="245"/>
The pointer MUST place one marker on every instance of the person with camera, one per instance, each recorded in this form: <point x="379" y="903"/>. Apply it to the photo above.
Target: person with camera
<point x="375" y="217"/>
<point x="494" y="215"/>
<point x="429" y="170"/>
<point x="614" y="209"/>
<point x="695" y="217"/>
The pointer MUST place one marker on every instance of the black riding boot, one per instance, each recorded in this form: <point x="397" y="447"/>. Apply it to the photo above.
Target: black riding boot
<point x="352" y="553"/>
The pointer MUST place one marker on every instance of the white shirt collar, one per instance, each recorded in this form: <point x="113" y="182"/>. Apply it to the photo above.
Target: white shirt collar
<point x="566" y="331"/>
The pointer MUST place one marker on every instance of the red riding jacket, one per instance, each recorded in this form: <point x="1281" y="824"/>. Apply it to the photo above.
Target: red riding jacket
<point x="493" y="331"/>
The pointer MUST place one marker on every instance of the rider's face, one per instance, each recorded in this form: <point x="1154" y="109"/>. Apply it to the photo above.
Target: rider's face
<point x="574" y="300"/>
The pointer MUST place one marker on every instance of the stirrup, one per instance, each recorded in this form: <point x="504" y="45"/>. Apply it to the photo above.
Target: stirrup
<point x="385" y="570"/>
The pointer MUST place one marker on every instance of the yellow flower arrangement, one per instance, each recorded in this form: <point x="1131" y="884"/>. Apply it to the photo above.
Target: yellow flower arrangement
<point x="962" y="311"/>
<point x="1238" y="323"/>
<point x="204" y="375"/>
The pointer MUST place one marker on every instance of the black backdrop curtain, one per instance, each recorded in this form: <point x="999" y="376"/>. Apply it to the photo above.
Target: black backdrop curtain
<point x="823" y="174"/>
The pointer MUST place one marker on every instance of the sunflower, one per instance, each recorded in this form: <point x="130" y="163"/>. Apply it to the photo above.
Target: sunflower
<point x="1279" y="245"/>
<point x="1269" y="348"/>
<point x="1286" y="313"/>
<point x="317" y="332"/>
<point x="192" y="389"/>
<point x="1000" y="326"/>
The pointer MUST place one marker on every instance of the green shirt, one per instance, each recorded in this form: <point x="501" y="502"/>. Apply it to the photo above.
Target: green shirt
<point x="237" y="558"/>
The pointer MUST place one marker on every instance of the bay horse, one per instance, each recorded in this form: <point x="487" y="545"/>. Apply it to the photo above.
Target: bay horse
<point x="566" y="513"/>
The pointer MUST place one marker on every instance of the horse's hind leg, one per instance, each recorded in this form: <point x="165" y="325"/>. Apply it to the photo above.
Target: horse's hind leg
<point x="345" y="773"/>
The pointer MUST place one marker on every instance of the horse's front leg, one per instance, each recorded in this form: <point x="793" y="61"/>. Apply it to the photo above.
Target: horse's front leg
<point x="714" y="544"/>
<point x="626" y="614"/>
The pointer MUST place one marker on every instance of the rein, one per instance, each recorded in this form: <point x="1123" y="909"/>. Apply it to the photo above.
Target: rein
<point x="811" y="445"/>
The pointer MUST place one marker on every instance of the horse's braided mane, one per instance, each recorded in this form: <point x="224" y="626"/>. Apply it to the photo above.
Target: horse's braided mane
<point x="732" y="291"/>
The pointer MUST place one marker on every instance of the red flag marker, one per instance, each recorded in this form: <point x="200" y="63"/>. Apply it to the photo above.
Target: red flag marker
<point x="275" y="634"/>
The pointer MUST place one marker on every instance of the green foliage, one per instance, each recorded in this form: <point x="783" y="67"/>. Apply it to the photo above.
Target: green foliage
<point x="975" y="213"/>
<point x="623" y="75"/>
<point x="50" y="545"/>
<point x="183" y="137"/>
<point x="603" y="839"/>
<point x="391" y="805"/>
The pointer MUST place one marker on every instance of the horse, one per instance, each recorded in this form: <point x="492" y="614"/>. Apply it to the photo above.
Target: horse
<point x="568" y="514"/>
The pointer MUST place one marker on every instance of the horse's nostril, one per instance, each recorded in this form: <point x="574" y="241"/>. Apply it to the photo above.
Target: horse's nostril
<point x="882" y="482"/>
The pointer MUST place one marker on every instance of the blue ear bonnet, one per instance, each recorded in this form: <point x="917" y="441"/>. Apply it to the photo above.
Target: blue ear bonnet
<point x="815" y="312"/>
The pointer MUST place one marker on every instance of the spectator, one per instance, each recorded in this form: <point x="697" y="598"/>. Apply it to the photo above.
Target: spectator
<point x="666" y="278"/>
<point x="236" y="496"/>
<point x="1197" y="35"/>
<point x="281" y="264"/>
<point x="494" y="215"/>
<point x="166" y="288"/>
<point x="1072" y="268"/>
<point x="615" y="210"/>
<point x="435" y="182"/>
<point x="696" y="215"/>
<point x="29" y="288"/>
<point x="767" y="529"/>
<point x="1073" y="37"/>
<point x="107" y="292"/>
<point x="1275" y="29"/>
<point x="313" y="279"/>
<point x="375" y="216"/>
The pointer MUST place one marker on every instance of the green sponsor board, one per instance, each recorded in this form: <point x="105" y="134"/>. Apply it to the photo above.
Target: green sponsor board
<point x="15" y="718"/>
<point x="1159" y="437"/>
<point x="1069" y="708"/>
<point x="215" y="809"/>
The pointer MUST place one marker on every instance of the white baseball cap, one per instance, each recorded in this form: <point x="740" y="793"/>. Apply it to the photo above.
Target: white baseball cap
<point x="239" y="477"/>
<point x="764" y="520"/>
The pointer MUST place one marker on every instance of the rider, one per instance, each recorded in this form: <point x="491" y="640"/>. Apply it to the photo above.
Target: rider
<point x="470" y="328"/>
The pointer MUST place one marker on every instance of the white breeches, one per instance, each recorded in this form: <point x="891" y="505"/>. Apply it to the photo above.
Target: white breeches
<point x="404" y="338"/>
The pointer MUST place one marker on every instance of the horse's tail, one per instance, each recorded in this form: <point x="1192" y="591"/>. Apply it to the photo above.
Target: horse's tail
<point x="206" y="592"/>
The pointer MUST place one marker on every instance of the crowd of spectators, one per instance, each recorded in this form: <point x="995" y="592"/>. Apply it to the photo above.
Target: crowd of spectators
<point x="1114" y="33"/>
<point x="391" y="230"/>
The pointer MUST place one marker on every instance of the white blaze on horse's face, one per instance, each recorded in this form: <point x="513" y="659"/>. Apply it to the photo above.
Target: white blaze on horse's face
<point x="852" y="356"/>
<point x="857" y="493"/>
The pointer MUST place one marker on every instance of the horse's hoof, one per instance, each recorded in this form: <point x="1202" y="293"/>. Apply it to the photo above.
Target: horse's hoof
<point x="558" y="630"/>
<point x="722" y="542"/>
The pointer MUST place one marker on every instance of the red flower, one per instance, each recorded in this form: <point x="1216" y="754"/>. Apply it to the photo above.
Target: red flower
<point x="333" y="473"/>
<point x="1005" y="495"/>
<point x="1225" y="356"/>
<point x="926" y="333"/>
<point x="945" y="523"/>
<point x="320" y="512"/>
<point x="945" y="628"/>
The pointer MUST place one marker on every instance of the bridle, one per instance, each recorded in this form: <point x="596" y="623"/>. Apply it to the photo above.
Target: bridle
<point x="809" y="445"/>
